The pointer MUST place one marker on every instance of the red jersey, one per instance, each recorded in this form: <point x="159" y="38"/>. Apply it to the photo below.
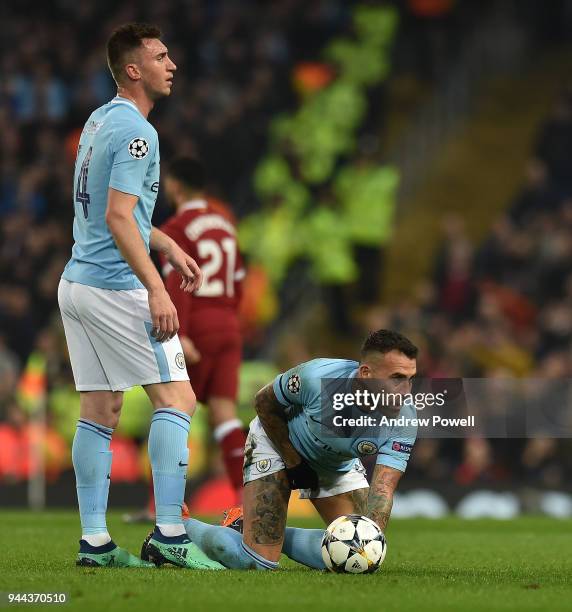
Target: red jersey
<point x="210" y="239"/>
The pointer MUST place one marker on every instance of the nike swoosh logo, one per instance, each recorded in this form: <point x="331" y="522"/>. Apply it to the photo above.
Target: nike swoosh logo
<point x="182" y="464"/>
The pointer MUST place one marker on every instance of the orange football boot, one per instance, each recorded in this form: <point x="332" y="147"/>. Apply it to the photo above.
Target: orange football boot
<point x="233" y="518"/>
<point x="185" y="514"/>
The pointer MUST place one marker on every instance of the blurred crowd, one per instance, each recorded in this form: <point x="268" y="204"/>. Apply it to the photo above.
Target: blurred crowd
<point x="234" y="62"/>
<point x="502" y="308"/>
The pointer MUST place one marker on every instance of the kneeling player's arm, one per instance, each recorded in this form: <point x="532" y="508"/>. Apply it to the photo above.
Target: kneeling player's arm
<point x="273" y="418"/>
<point x="123" y="227"/>
<point x="380" y="499"/>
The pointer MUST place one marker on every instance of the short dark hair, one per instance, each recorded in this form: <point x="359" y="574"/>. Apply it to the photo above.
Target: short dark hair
<point x="123" y="40"/>
<point x="189" y="171"/>
<point x="383" y="341"/>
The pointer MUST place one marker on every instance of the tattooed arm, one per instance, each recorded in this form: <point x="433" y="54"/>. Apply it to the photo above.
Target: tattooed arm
<point x="273" y="418"/>
<point x="380" y="499"/>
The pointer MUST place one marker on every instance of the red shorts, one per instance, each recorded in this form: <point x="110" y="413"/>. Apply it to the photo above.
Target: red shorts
<point x="216" y="374"/>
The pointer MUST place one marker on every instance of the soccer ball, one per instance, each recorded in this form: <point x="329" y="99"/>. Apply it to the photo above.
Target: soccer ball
<point x="353" y="544"/>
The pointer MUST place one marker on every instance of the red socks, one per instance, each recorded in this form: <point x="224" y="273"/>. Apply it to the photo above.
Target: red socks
<point x="231" y="439"/>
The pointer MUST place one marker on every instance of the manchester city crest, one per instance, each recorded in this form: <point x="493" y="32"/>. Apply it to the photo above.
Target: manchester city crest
<point x="180" y="361"/>
<point x="366" y="447"/>
<point x="263" y="465"/>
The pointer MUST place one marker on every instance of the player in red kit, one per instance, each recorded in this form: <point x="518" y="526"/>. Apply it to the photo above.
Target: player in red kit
<point x="209" y="325"/>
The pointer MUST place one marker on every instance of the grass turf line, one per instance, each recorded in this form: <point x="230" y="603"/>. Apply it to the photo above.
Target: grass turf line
<point x="448" y="564"/>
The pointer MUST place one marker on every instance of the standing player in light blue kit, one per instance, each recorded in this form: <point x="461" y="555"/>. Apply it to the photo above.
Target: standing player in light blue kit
<point x="120" y="324"/>
<point x="288" y="448"/>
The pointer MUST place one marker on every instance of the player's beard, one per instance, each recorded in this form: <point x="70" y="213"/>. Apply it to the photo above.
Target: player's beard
<point x="391" y="412"/>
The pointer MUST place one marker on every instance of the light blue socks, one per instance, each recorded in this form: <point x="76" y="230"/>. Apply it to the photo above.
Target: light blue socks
<point x="225" y="545"/>
<point x="169" y="456"/>
<point x="304" y="546"/>
<point x="92" y="464"/>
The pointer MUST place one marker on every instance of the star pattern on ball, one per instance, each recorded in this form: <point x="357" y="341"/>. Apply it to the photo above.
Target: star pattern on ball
<point x="353" y="544"/>
<point x="138" y="148"/>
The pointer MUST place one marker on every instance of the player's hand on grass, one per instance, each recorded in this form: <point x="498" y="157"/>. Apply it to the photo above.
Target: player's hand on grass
<point x="163" y="315"/>
<point x="187" y="267"/>
<point x="302" y="476"/>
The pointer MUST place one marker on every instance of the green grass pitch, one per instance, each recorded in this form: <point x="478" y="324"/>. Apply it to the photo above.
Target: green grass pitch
<point x="449" y="564"/>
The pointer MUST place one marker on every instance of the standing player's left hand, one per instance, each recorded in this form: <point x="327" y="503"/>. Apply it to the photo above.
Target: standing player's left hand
<point x="187" y="267"/>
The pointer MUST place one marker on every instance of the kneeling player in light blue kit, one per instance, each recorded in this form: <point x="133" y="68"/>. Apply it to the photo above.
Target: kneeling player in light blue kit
<point x="120" y="324"/>
<point x="288" y="448"/>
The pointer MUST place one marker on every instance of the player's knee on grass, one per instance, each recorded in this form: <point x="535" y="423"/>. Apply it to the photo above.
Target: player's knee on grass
<point x="265" y="509"/>
<point x="226" y="546"/>
<point x="218" y="543"/>
<point x="178" y="395"/>
<point x="238" y="556"/>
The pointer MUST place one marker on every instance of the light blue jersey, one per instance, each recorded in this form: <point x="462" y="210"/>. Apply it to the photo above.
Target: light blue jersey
<point x="299" y="389"/>
<point x="118" y="148"/>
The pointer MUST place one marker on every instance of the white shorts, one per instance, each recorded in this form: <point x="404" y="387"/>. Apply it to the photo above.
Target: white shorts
<point x="108" y="333"/>
<point x="262" y="459"/>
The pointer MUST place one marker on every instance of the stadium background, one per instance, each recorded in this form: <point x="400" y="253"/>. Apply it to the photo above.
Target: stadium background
<point x="398" y="164"/>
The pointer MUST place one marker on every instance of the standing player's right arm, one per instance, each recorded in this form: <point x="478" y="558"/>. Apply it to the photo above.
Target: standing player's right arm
<point x="123" y="227"/>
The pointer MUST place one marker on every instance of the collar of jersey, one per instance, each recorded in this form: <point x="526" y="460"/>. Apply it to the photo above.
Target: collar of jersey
<point x="127" y="102"/>
<point x="349" y="379"/>
<point x="193" y="205"/>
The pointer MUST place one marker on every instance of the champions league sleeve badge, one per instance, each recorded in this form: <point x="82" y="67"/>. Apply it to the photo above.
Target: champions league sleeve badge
<point x="293" y="385"/>
<point x="138" y="148"/>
